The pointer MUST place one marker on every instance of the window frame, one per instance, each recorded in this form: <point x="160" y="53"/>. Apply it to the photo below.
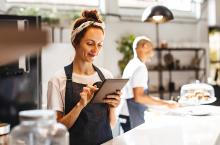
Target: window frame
<point x="53" y="2"/>
<point x="161" y="2"/>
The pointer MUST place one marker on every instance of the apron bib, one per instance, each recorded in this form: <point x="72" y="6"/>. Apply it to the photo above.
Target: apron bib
<point x="92" y="126"/>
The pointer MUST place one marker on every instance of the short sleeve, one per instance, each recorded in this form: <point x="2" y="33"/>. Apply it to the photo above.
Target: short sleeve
<point x="54" y="99"/>
<point x="139" y="78"/>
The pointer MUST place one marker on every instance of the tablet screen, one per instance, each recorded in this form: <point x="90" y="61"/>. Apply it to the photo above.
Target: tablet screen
<point x="109" y="86"/>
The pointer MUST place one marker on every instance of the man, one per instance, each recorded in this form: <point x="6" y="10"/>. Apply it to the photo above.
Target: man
<point x="134" y="91"/>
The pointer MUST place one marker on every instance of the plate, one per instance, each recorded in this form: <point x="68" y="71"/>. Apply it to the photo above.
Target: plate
<point x="199" y="113"/>
<point x="191" y="110"/>
<point x="186" y="101"/>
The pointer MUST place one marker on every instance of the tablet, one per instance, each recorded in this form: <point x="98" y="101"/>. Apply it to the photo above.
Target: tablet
<point x="109" y="86"/>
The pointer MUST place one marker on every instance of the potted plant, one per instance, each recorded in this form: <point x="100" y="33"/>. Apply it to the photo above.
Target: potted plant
<point x="125" y="47"/>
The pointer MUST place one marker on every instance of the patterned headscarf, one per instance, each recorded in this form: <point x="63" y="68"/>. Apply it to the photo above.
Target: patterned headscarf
<point x="83" y="26"/>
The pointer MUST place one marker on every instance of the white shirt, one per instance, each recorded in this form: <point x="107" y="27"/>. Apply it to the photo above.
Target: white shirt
<point x="137" y="73"/>
<point x="57" y="87"/>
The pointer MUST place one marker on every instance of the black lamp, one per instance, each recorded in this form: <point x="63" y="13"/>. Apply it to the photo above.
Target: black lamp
<point x="157" y="14"/>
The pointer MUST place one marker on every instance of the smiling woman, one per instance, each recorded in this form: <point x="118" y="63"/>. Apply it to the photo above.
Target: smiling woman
<point x="70" y="90"/>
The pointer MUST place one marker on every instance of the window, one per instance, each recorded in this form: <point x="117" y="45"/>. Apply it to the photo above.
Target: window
<point x="72" y="2"/>
<point x="214" y="43"/>
<point x="182" y="5"/>
<point x="214" y="54"/>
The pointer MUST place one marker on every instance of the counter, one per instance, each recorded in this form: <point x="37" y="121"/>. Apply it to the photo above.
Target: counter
<point x="164" y="128"/>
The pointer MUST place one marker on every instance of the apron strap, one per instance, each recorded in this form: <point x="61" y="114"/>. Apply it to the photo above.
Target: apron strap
<point x="68" y="71"/>
<point x="102" y="77"/>
<point x="69" y="89"/>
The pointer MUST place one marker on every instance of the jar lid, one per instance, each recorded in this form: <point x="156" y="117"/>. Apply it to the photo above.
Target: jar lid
<point x="33" y="115"/>
<point x="4" y="128"/>
<point x="197" y="86"/>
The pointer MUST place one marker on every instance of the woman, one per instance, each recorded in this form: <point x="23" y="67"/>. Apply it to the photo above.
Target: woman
<point x="71" y="89"/>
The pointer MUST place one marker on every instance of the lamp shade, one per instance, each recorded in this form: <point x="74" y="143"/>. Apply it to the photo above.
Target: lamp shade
<point x="157" y="14"/>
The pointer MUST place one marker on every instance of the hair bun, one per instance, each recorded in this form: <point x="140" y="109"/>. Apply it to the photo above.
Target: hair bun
<point x="91" y="14"/>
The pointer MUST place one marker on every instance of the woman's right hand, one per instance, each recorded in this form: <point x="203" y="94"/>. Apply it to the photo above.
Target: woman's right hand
<point x="87" y="95"/>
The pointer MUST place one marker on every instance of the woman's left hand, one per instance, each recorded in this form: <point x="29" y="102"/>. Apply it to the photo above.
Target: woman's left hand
<point x="113" y="100"/>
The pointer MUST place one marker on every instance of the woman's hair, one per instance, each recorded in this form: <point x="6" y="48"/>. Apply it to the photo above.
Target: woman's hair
<point x="89" y="18"/>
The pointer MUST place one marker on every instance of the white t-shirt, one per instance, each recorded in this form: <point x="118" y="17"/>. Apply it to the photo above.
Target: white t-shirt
<point x="137" y="73"/>
<point x="57" y="87"/>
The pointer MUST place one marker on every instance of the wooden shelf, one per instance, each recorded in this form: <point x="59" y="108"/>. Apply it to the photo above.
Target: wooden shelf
<point x="213" y="62"/>
<point x="199" y="54"/>
<point x="179" y="49"/>
<point x="179" y="70"/>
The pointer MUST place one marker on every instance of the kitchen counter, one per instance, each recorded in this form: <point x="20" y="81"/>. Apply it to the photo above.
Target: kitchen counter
<point x="175" y="128"/>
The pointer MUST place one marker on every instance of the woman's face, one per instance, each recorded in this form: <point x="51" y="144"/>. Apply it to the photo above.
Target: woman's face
<point x="90" y="44"/>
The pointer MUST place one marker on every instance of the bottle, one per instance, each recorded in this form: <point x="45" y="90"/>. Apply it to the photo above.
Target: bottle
<point x="39" y="127"/>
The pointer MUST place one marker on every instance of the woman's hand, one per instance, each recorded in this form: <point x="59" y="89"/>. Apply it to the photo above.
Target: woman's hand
<point x="113" y="100"/>
<point x="87" y="95"/>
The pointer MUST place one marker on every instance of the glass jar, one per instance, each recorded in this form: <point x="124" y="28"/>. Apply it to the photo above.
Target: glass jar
<point x="39" y="127"/>
<point x="4" y="133"/>
<point x="197" y="93"/>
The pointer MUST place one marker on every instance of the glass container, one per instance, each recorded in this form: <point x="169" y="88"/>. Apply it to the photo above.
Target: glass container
<point x="39" y="127"/>
<point x="197" y="93"/>
<point x="4" y="133"/>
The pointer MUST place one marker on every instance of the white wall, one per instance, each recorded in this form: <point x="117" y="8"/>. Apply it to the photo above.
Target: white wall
<point x="177" y="34"/>
<point x="174" y="33"/>
<point x="214" y="12"/>
<point x="217" y="12"/>
<point x="2" y="6"/>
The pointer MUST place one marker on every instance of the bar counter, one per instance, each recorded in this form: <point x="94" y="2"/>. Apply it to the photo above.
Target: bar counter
<point x="175" y="128"/>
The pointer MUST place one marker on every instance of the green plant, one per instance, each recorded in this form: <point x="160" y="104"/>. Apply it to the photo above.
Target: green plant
<point x="125" y="47"/>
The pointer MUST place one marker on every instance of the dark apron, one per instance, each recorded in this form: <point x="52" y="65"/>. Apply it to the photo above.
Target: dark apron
<point x="92" y="126"/>
<point x="136" y="112"/>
